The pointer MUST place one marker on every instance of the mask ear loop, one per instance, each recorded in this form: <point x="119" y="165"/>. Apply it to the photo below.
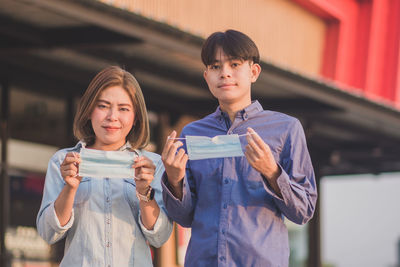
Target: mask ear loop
<point x="240" y="135"/>
<point x="183" y="138"/>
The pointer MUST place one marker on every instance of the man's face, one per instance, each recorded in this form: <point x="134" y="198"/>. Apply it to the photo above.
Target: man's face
<point x="230" y="79"/>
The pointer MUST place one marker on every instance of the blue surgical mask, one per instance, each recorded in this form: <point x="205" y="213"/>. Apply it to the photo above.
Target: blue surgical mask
<point x="106" y="164"/>
<point x="220" y="146"/>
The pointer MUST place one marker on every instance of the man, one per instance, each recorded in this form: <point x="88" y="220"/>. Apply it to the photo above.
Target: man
<point x="236" y="205"/>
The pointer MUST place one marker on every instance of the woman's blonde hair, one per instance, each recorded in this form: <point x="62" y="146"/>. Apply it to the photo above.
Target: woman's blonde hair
<point x="139" y="135"/>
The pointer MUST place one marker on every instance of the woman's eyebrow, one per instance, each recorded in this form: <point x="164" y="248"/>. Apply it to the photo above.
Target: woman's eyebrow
<point x="109" y="103"/>
<point x="124" y="104"/>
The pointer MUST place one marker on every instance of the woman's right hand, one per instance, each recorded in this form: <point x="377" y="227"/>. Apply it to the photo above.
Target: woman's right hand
<point x="69" y="169"/>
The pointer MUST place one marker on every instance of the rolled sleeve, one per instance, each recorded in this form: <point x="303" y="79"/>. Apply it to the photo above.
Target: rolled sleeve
<point x="50" y="228"/>
<point x="161" y="231"/>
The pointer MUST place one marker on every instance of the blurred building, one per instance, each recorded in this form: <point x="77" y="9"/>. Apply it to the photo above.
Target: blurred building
<point x="332" y="64"/>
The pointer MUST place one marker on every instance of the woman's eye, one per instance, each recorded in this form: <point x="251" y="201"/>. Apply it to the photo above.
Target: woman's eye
<point x="124" y="109"/>
<point x="101" y="106"/>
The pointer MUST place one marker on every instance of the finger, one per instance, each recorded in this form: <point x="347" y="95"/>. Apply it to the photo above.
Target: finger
<point x="76" y="156"/>
<point x="143" y="162"/>
<point x="250" y="157"/>
<point x="69" y="173"/>
<point x="172" y="151"/>
<point x="254" y="147"/>
<point x="69" y="160"/>
<point x="184" y="159"/>
<point x="69" y="167"/>
<point x="257" y="139"/>
<point x="145" y="170"/>
<point x="144" y="177"/>
<point x="78" y="177"/>
<point x="179" y="155"/>
<point x="168" y="143"/>
<point x="250" y="152"/>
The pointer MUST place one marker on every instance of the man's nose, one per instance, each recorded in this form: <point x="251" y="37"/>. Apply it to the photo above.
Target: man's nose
<point x="225" y="71"/>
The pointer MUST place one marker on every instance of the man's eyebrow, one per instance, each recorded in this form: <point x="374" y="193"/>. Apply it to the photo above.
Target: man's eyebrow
<point x="229" y="59"/>
<point x="236" y="58"/>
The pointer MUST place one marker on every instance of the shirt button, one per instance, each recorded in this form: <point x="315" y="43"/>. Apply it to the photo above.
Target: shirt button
<point x="108" y="244"/>
<point x="225" y="206"/>
<point x="223" y="231"/>
<point x="222" y="258"/>
<point x="108" y="199"/>
<point x="226" y="181"/>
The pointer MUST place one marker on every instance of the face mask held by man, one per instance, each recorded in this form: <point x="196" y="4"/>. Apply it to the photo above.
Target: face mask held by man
<point x="106" y="164"/>
<point x="220" y="146"/>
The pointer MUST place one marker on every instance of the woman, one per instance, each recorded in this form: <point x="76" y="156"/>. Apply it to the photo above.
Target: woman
<point x="103" y="220"/>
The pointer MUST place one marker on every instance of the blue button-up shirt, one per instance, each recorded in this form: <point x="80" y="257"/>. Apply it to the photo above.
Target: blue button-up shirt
<point x="236" y="217"/>
<point x="105" y="227"/>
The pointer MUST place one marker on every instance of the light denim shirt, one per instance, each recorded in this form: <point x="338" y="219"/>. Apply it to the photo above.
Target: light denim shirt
<point x="105" y="227"/>
<point x="236" y="217"/>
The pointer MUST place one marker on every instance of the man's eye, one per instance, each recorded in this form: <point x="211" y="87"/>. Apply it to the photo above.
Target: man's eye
<point x="214" y="67"/>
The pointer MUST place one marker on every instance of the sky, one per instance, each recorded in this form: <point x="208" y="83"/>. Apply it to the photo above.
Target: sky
<point x="360" y="220"/>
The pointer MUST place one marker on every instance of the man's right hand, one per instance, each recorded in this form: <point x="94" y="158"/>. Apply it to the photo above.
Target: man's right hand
<point x="174" y="163"/>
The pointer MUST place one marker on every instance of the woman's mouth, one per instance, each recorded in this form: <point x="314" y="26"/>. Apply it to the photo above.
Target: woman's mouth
<point x="111" y="128"/>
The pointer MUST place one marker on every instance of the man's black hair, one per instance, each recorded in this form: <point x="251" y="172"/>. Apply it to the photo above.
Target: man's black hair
<point x="234" y="44"/>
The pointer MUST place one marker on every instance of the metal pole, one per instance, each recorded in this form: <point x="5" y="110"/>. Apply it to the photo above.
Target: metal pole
<point x="314" y="226"/>
<point x="5" y="260"/>
<point x="314" y="236"/>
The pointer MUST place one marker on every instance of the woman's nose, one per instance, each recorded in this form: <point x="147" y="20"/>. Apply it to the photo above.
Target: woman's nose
<point x="112" y="114"/>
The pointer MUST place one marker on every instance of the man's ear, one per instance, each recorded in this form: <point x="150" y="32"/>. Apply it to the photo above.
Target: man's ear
<point x="255" y="72"/>
<point x="205" y="75"/>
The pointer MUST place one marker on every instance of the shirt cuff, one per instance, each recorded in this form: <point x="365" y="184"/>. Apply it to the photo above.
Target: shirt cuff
<point x="161" y="220"/>
<point x="166" y="188"/>
<point x="283" y="184"/>
<point x="52" y="219"/>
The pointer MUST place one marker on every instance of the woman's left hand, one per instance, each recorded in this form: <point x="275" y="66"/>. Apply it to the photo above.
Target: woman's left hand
<point x="144" y="173"/>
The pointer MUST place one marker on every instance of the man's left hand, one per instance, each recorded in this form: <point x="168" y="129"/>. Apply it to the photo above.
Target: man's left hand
<point x="260" y="157"/>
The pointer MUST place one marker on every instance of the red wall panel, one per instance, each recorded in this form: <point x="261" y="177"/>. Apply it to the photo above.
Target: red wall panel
<point x="362" y="44"/>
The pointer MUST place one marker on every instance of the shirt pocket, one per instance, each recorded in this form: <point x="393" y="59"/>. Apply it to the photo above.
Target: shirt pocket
<point x="130" y="194"/>
<point x="258" y="196"/>
<point x="83" y="192"/>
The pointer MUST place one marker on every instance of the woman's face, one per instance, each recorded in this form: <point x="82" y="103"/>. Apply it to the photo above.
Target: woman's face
<point x="112" y="118"/>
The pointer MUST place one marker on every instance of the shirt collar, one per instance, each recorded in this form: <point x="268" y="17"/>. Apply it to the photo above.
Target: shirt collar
<point x="244" y="114"/>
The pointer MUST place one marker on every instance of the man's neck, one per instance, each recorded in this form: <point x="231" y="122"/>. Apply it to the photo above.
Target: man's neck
<point x="232" y="109"/>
